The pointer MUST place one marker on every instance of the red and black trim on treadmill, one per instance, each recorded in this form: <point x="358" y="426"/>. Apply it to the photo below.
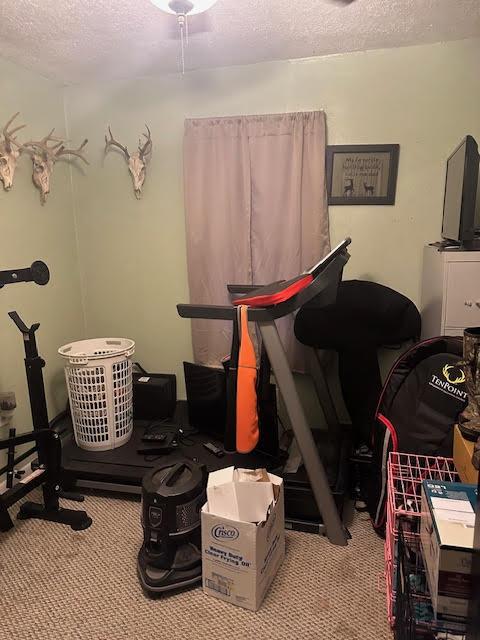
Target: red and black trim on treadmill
<point x="275" y="293"/>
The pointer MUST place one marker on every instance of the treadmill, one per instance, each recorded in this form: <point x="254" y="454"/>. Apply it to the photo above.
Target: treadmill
<point x="316" y="494"/>
<point x="316" y="287"/>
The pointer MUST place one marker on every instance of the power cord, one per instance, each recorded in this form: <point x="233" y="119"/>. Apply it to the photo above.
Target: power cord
<point x="180" y="436"/>
<point x="184" y="436"/>
<point x="158" y="423"/>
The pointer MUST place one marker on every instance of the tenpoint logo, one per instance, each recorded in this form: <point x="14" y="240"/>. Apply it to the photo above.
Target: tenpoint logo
<point x="453" y="374"/>
<point x="222" y="532"/>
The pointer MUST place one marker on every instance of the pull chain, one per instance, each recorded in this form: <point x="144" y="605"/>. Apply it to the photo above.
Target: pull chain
<point x="181" y="23"/>
<point x="183" y="49"/>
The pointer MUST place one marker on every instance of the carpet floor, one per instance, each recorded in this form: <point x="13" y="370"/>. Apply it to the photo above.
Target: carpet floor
<point x="56" y="584"/>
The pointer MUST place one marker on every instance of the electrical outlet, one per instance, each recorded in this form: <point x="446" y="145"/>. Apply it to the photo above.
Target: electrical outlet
<point x="8" y="404"/>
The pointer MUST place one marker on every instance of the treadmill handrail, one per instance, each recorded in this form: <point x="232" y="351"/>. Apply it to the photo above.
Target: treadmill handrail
<point x="323" y="280"/>
<point x="236" y="289"/>
<point x="210" y="311"/>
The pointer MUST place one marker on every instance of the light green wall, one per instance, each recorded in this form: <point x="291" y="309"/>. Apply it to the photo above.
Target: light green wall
<point x="132" y="254"/>
<point x="29" y="232"/>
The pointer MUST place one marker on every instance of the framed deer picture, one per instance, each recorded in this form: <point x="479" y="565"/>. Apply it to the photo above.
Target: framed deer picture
<point x="362" y="174"/>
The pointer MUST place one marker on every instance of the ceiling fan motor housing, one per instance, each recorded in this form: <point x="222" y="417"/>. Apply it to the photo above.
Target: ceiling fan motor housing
<point x="181" y="7"/>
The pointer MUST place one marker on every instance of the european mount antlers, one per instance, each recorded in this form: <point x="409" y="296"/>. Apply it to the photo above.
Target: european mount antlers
<point x="137" y="161"/>
<point x="44" y="158"/>
<point x="10" y="150"/>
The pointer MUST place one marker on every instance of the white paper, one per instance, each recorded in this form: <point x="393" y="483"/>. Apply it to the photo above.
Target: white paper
<point x="456" y="516"/>
<point x="235" y="494"/>
<point x="448" y="504"/>
<point x="222" y="476"/>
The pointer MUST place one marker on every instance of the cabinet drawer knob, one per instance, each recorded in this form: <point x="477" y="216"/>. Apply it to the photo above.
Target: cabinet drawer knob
<point x="468" y="303"/>
<point x="478" y="303"/>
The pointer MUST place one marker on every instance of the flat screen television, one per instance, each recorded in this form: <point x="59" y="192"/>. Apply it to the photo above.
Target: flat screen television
<point x="461" y="206"/>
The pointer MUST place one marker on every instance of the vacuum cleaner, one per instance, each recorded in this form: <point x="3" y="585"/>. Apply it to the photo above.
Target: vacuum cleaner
<point x="172" y="497"/>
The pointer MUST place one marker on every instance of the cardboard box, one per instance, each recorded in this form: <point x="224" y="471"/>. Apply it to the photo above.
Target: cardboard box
<point x="240" y="558"/>
<point x="447" y="530"/>
<point x="462" y="457"/>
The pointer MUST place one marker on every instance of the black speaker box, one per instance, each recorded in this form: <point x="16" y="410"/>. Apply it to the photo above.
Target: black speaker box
<point x="154" y="394"/>
<point x="207" y="398"/>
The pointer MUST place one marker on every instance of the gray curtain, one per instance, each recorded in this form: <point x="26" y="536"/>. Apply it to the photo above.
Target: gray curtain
<point x="256" y="211"/>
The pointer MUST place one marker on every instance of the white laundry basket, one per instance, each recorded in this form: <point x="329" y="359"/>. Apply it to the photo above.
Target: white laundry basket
<point x="99" y="381"/>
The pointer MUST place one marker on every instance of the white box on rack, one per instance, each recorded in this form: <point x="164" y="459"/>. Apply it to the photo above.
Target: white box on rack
<point x="447" y="531"/>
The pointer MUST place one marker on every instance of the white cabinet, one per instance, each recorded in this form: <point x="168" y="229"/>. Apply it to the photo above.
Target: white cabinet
<point x="450" y="292"/>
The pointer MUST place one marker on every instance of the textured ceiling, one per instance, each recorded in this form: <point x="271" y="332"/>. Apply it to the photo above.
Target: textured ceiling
<point x="75" y="40"/>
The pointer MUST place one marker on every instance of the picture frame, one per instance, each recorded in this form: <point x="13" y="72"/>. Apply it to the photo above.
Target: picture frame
<point x="362" y="174"/>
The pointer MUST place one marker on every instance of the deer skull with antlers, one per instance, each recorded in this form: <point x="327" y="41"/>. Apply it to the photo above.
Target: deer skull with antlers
<point x="137" y="161"/>
<point x="44" y="158"/>
<point x="10" y="150"/>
